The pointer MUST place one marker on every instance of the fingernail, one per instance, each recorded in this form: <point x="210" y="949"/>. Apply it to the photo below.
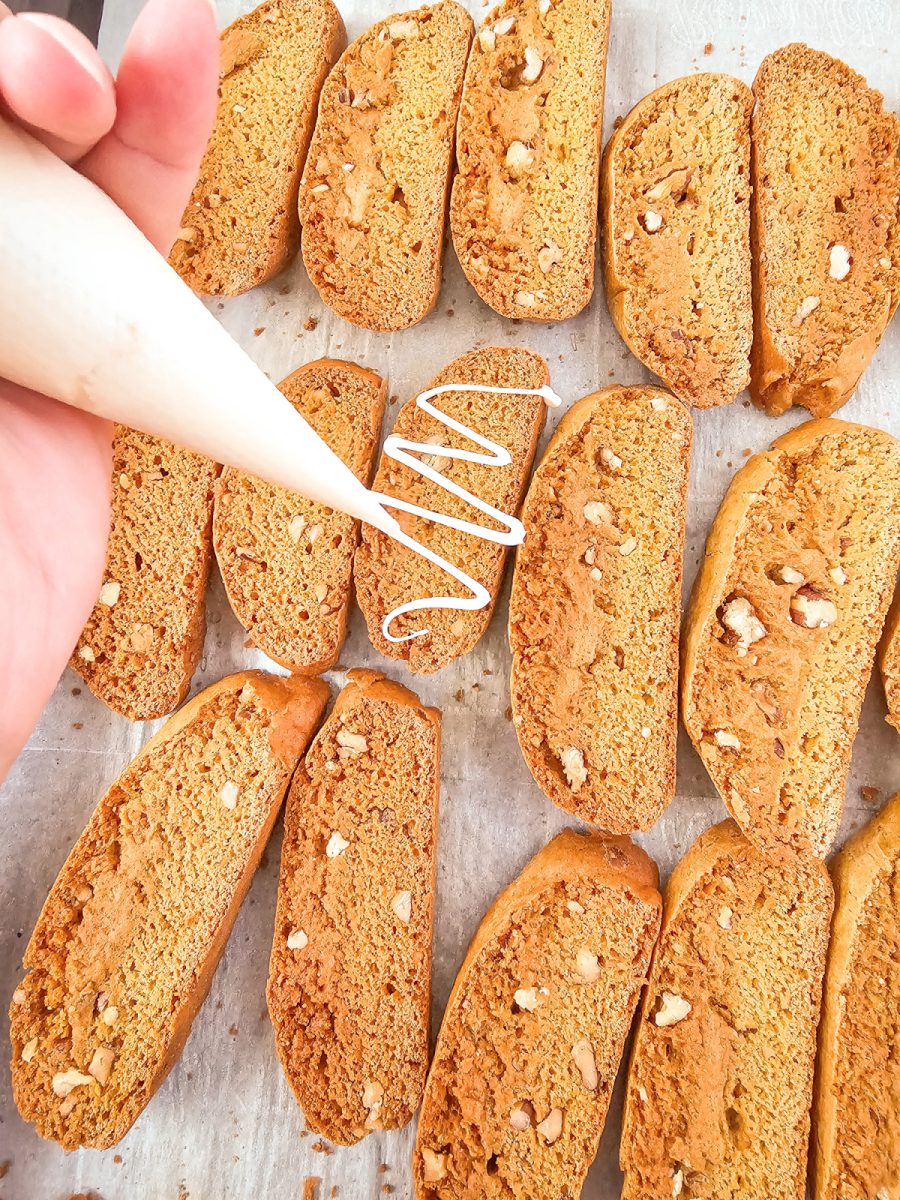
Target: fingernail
<point x="71" y="40"/>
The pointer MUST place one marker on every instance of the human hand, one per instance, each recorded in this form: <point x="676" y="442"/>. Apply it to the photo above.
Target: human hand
<point x="140" y="138"/>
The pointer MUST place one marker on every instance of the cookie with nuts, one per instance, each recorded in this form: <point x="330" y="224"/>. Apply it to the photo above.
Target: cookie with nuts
<point x="536" y="1023"/>
<point x="523" y="213"/>
<point x="240" y="226"/>
<point x="124" y="950"/>
<point x="826" y="234"/>
<point x="676" y="230"/>
<point x="287" y="562"/>
<point x="721" y="1074"/>
<point x="783" y="624"/>
<point x="389" y="575"/>
<point x="373" y="200"/>
<point x="350" y="970"/>
<point x="143" y="640"/>
<point x="856" y="1122"/>
<point x="595" y="684"/>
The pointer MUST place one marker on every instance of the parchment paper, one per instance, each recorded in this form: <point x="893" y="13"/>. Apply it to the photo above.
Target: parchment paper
<point x="225" y="1125"/>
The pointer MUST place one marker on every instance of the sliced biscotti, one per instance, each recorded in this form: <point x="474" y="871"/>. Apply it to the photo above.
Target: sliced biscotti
<point x="373" y="202"/>
<point x="721" y="1074"/>
<point x="286" y="562"/>
<point x="350" y="973"/>
<point x="889" y="661"/>
<point x="143" y="640"/>
<point x="240" y="226"/>
<point x="127" y="942"/>
<point x="388" y="574"/>
<point x="782" y="627"/>
<point x="826" y="229"/>
<point x="536" y="1023"/>
<point x="676" y="224"/>
<point x="856" y="1118"/>
<point x="524" y="207"/>
<point x="595" y="609"/>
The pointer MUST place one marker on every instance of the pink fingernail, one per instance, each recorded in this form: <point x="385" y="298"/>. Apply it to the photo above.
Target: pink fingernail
<point x="72" y="41"/>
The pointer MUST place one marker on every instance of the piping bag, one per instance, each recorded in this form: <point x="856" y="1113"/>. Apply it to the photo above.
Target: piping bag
<point x="93" y="315"/>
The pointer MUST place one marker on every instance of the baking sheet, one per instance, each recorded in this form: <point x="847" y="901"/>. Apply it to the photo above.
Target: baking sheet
<point x="225" y="1124"/>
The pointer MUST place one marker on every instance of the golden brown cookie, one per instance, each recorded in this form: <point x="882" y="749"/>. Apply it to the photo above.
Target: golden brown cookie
<point x="125" y="948"/>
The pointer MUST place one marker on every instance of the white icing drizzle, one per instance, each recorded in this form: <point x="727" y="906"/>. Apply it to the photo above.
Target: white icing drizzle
<point x="404" y="451"/>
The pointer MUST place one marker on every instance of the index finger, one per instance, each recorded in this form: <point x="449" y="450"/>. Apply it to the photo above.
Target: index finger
<point x="54" y="83"/>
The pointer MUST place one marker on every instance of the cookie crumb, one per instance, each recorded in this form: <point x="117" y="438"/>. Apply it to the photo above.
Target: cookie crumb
<point x="310" y="324"/>
<point x="311" y="1187"/>
<point x="258" y="330"/>
<point x="708" y="48"/>
<point x="869" y="794"/>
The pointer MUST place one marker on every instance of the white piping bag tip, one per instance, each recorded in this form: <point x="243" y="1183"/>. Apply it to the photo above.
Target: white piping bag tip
<point x="92" y="314"/>
<point x="373" y="512"/>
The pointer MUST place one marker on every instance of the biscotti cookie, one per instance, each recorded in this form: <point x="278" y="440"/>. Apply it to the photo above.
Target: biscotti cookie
<point x="143" y="640"/>
<point x="286" y="562"/>
<point x="127" y="942"/>
<point x="388" y="574"/>
<point x="676" y="224"/>
<point x="595" y="608"/>
<point x="889" y="661"/>
<point x="536" y="1023"/>
<point x="350" y="973"/>
<point x="856" y="1118"/>
<point x="241" y="226"/>
<point x="826" y="229"/>
<point x="782" y="627"/>
<point x="524" y="207"/>
<point x="373" y="201"/>
<point x="721" y="1075"/>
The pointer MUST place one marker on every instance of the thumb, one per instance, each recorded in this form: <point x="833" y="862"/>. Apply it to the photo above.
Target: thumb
<point x="166" y="97"/>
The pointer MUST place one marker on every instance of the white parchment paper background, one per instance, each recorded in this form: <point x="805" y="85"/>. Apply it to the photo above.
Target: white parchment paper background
<point x="225" y="1125"/>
